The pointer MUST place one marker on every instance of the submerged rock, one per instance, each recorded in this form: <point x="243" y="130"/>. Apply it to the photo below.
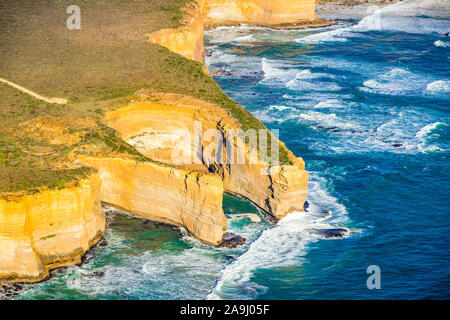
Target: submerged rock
<point x="98" y="273"/>
<point x="253" y="217"/>
<point x="306" y="206"/>
<point x="336" y="233"/>
<point x="103" y="243"/>
<point x="231" y="240"/>
<point x="87" y="273"/>
<point x="9" y="291"/>
<point x="230" y="258"/>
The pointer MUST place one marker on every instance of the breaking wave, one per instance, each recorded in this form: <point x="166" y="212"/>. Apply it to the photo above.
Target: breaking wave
<point x="439" y="86"/>
<point x="284" y="245"/>
<point x="329" y="121"/>
<point x="441" y="44"/>
<point x="429" y="128"/>
<point x="408" y="16"/>
<point x="275" y="72"/>
<point x="402" y="82"/>
<point x="429" y="16"/>
<point x="338" y="35"/>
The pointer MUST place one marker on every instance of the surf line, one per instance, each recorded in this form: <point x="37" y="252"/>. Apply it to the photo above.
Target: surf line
<point x="34" y="94"/>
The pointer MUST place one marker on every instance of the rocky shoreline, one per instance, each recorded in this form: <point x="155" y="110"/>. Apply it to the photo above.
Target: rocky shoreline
<point x="54" y="228"/>
<point x="349" y="9"/>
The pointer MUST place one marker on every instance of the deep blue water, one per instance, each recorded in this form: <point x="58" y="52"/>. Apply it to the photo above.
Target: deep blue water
<point x="368" y="110"/>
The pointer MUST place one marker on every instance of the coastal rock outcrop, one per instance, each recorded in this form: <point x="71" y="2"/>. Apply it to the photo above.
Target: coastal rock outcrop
<point x="176" y="196"/>
<point x="188" y="39"/>
<point x="271" y="13"/>
<point x="278" y="190"/>
<point x="336" y="233"/>
<point x="55" y="228"/>
<point x="157" y="129"/>
<point x="47" y="230"/>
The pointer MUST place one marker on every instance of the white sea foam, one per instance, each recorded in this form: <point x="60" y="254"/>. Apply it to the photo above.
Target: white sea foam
<point x="222" y="57"/>
<point x="282" y="108"/>
<point x="229" y="34"/>
<point x="397" y="82"/>
<point x="407" y="16"/>
<point x="329" y="104"/>
<point x="439" y="86"/>
<point x="429" y="128"/>
<point x="388" y="88"/>
<point x="402" y="82"/>
<point x="308" y="86"/>
<point x="302" y="82"/>
<point x="273" y="114"/>
<point x="294" y="79"/>
<point x="172" y="276"/>
<point x="343" y="64"/>
<point x="405" y="133"/>
<point x="276" y="73"/>
<point x="308" y="75"/>
<point x="228" y="61"/>
<point x="329" y="121"/>
<point x="269" y="70"/>
<point x="338" y="35"/>
<point x="284" y="245"/>
<point x="441" y="44"/>
<point x="244" y="38"/>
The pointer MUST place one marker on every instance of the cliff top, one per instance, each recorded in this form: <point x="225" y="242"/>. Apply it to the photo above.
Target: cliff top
<point x="97" y="68"/>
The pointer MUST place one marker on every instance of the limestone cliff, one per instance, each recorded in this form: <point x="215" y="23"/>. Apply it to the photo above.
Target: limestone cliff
<point x="188" y="40"/>
<point x="51" y="229"/>
<point x="272" y="13"/>
<point x="54" y="228"/>
<point x="176" y="196"/>
<point x="155" y="129"/>
<point x="281" y="191"/>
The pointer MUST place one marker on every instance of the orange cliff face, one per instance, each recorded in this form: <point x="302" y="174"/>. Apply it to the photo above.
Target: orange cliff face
<point x="54" y="228"/>
<point x="176" y="196"/>
<point x="50" y="229"/>
<point x="156" y="129"/>
<point x="188" y="40"/>
<point x="259" y="12"/>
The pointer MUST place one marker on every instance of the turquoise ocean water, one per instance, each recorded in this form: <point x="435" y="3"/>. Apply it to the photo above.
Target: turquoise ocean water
<point x="366" y="104"/>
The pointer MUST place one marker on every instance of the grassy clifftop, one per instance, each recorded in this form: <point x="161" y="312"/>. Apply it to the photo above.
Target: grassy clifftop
<point x="95" y="68"/>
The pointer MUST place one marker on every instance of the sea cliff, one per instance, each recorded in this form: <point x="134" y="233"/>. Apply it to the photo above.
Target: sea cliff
<point x="176" y="196"/>
<point x="272" y="13"/>
<point x="188" y="39"/>
<point x="155" y="129"/>
<point x="47" y="230"/>
<point x="131" y="148"/>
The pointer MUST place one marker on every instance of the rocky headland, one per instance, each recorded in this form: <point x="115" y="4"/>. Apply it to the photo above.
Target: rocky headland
<point x="116" y="148"/>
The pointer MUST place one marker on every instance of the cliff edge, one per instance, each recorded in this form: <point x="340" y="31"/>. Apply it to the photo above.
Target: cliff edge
<point x="282" y="14"/>
<point x="130" y="105"/>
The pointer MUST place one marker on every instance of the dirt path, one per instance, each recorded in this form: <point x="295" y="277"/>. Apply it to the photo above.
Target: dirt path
<point x="34" y="94"/>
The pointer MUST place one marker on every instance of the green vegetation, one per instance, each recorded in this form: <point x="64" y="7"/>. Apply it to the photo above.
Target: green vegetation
<point x="31" y="179"/>
<point x="48" y="237"/>
<point x="96" y="68"/>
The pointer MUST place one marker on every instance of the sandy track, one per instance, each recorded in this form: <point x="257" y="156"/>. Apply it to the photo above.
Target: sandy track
<point x="34" y="94"/>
